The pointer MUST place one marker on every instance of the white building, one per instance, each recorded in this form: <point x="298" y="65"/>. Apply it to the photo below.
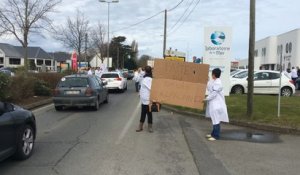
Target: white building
<point x="268" y="51"/>
<point x="97" y="62"/>
<point x="12" y="56"/>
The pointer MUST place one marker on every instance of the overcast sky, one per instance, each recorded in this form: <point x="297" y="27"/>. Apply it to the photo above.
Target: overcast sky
<point x="273" y="17"/>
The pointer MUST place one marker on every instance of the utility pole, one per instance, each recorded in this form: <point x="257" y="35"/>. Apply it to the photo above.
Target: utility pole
<point x="165" y="34"/>
<point x="251" y="60"/>
<point x="118" y="57"/>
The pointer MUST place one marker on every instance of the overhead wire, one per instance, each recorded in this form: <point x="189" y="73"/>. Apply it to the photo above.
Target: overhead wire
<point x="175" y="6"/>
<point x="140" y="22"/>
<point x="184" y="13"/>
<point x="132" y="25"/>
<point x="185" y="19"/>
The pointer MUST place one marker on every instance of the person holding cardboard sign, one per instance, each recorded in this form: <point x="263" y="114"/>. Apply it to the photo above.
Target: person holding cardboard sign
<point x="145" y="100"/>
<point x="216" y="107"/>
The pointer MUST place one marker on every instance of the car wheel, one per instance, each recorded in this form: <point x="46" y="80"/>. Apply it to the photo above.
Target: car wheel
<point x="58" y="108"/>
<point x="25" y="142"/>
<point x="106" y="100"/>
<point x="96" y="107"/>
<point x="237" y="90"/>
<point x="286" y="91"/>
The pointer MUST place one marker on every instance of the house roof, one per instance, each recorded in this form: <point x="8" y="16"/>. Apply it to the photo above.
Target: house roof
<point x="35" y="52"/>
<point x="60" y="56"/>
<point x="18" y="51"/>
<point x="10" y="50"/>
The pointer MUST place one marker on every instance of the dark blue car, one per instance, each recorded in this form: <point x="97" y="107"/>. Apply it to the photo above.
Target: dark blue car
<point x="17" y="131"/>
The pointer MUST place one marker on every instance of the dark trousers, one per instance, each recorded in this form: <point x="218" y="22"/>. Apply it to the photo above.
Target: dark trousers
<point x="216" y="131"/>
<point x="136" y="86"/>
<point x="145" y="111"/>
<point x="294" y="81"/>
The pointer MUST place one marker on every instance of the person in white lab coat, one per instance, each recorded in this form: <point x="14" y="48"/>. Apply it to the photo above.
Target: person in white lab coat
<point x="90" y="72"/>
<point x="145" y="100"/>
<point x="98" y="72"/>
<point x="216" y="107"/>
<point x="136" y="79"/>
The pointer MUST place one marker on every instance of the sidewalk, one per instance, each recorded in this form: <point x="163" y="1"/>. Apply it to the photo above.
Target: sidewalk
<point x="240" y="150"/>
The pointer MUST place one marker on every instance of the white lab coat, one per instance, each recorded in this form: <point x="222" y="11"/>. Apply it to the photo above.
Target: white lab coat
<point x="145" y="90"/>
<point x="216" y="107"/>
<point x="90" y="72"/>
<point x="98" y="73"/>
<point x="141" y="77"/>
<point x="136" y="76"/>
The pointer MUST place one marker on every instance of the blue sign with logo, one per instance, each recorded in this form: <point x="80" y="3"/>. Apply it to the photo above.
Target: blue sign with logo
<point x="217" y="38"/>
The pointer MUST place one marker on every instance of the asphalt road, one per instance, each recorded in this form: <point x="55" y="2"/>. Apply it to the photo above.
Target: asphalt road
<point x="104" y="142"/>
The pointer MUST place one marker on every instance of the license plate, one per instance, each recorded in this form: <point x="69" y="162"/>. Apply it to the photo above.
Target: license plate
<point x="71" y="92"/>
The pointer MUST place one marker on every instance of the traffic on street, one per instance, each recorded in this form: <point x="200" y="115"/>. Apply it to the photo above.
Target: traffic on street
<point x="83" y="141"/>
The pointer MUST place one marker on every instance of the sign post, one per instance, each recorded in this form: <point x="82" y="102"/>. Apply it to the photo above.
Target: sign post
<point x="217" y="52"/>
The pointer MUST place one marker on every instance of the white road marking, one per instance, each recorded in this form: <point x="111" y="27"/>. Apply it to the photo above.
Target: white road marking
<point x="128" y="124"/>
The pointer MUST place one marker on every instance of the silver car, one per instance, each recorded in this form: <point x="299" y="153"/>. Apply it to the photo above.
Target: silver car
<point x="80" y="90"/>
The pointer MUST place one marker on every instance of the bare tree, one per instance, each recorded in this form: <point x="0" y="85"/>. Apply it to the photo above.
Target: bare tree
<point x="98" y="44"/>
<point x="21" y="17"/>
<point x="73" y="34"/>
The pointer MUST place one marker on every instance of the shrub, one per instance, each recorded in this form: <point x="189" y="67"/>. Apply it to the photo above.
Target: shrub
<point x="22" y="86"/>
<point x="4" y="86"/>
<point x="51" y="79"/>
<point x="41" y="88"/>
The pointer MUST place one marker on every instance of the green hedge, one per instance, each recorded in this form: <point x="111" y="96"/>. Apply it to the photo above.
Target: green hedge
<point x="5" y="82"/>
<point x="24" y="86"/>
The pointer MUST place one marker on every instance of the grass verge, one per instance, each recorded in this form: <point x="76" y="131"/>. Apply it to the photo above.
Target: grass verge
<point x="265" y="110"/>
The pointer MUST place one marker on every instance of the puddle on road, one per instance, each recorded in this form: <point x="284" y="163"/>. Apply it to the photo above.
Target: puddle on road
<point x="250" y="136"/>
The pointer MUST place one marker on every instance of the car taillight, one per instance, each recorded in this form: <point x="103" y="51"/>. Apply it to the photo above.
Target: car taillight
<point x="56" y="91"/>
<point x="291" y="81"/>
<point x="89" y="91"/>
<point x="118" y="79"/>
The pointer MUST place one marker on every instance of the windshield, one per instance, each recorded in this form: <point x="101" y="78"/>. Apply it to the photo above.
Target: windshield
<point x="241" y="75"/>
<point x="110" y="76"/>
<point x="234" y="72"/>
<point x="73" y="82"/>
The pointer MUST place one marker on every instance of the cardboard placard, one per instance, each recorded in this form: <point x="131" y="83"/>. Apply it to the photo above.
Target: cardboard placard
<point x="179" y="83"/>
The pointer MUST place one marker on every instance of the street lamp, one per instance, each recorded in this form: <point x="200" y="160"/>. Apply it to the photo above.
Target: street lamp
<point x="108" y="3"/>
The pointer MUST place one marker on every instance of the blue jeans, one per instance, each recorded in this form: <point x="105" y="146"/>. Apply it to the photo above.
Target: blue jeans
<point x="216" y="131"/>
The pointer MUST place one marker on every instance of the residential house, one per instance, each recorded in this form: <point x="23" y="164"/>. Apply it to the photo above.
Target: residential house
<point x="12" y="56"/>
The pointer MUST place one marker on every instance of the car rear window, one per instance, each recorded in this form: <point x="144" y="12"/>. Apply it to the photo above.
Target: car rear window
<point x="110" y="76"/>
<point x="73" y="82"/>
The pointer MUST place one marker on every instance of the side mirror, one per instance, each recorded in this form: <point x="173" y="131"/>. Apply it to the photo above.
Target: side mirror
<point x="8" y="107"/>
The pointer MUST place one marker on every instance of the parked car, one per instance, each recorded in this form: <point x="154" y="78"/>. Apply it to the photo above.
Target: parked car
<point x="115" y="80"/>
<point x="17" y="131"/>
<point x="130" y="74"/>
<point x="80" y="90"/>
<point x="7" y="71"/>
<point x="265" y="82"/>
<point x="125" y="73"/>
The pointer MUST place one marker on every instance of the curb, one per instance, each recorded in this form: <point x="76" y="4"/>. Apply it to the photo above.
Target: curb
<point x="38" y="104"/>
<point x="258" y="126"/>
